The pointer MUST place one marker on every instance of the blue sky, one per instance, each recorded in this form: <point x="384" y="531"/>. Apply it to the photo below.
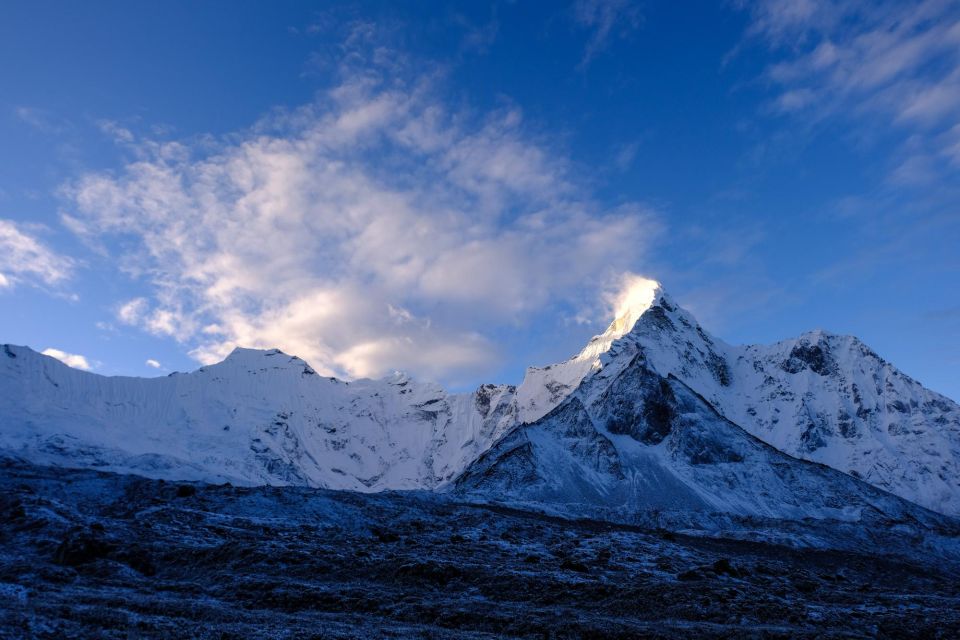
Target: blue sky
<point x="456" y="192"/>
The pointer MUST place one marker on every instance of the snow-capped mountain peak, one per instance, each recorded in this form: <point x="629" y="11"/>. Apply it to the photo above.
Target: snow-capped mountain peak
<point x="247" y="359"/>
<point x="821" y="396"/>
<point x="636" y="298"/>
<point x="543" y="388"/>
<point x="266" y="417"/>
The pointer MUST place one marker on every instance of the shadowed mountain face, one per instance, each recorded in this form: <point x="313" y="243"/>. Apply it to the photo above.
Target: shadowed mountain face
<point x="653" y="413"/>
<point x="631" y="440"/>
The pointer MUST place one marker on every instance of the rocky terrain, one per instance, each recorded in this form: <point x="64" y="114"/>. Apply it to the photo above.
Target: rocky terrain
<point x="87" y="554"/>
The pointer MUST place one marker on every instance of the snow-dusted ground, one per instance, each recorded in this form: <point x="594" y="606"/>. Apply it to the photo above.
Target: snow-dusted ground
<point x="87" y="554"/>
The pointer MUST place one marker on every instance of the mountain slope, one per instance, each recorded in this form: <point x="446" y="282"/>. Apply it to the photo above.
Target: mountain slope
<point x="543" y="388"/>
<point x="258" y="417"/>
<point x="820" y="397"/>
<point x="631" y="440"/>
<point x="94" y="555"/>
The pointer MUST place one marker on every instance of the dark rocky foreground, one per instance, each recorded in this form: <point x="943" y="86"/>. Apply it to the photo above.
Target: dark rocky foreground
<point x="86" y="554"/>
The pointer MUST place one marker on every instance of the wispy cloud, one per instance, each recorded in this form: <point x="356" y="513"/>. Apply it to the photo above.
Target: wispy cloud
<point x="374" y="229"/>
<point x="43" y="120"/>
<point x="70" y="359"/>
<point x="478" y="38"/>
<point x="25" y="259"/>
<point x="894" y="65"/>
<point x="625" y="154"/>
<point x="153" y="364"/>
<point x="604" y="19"/>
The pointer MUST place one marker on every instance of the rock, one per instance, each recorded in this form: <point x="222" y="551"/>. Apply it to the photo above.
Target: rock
<point x="570" y="564"/>
<point x="723" y="567"/>
<point x="691" y="575"/>
<point x="805" y="586"/>
<point x="80" y="547"/>
<point x="11" y="509"/>
<point x="386" y="536"/>
<point x="186" y="491"/>
<point x="138" y="559"/>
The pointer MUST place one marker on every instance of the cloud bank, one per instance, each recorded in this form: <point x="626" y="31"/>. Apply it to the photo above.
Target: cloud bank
<point x="377" y="228"/>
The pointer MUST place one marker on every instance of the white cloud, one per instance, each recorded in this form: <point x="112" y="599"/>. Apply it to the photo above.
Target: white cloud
<point x="159" y="320"/>
<point x="897" y="58"/>
<point x="888" y="65"/>
<point x="131" y="311"/>
<point x="42" y="120"/>
<point x="622" y="297"/>
<point x="114" y="130"/>
<point x="625" y="155"/>
<point x="70" y="359"/>
<point x="635" y="293"/>
<point x="477" y="38"/>
<point x="375" y="229"/>
<point x="23" y="258"/>
<point x="153" y="363"/>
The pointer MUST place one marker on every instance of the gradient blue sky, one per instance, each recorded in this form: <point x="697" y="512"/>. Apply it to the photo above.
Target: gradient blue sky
<point x="457" y="192"/>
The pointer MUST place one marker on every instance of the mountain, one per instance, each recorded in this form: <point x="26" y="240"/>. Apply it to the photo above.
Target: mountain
<point x="543" y="388"/>
<point x="263" y="417"/>
<point x="258" y="417"/>
<point x="630" y="440"/>
<point x="821" y="397"/>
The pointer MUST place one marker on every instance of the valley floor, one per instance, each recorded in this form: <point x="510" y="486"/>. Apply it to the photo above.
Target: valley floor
<point x="97" y="555"/>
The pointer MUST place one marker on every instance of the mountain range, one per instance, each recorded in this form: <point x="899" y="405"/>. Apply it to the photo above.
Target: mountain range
<point x="653" y="414"/>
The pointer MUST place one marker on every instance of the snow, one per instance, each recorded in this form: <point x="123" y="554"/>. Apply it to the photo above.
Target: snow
<point x="544" y="388"/>
<point x="264" y="417"/>
<point x="821" y="397"/>
<point x="632" y="441"/>
<point x="258" y="417"/>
